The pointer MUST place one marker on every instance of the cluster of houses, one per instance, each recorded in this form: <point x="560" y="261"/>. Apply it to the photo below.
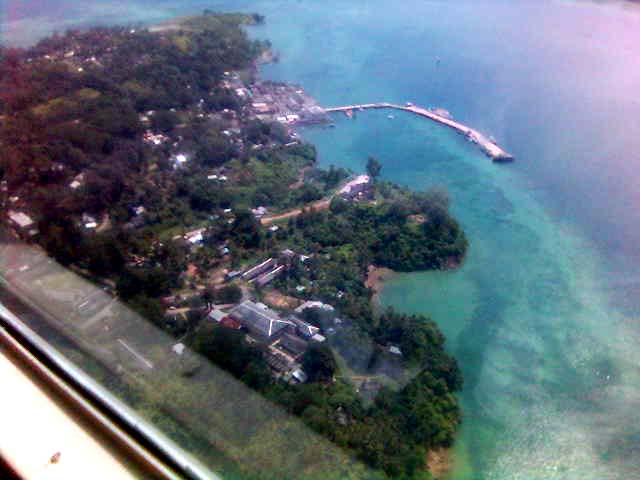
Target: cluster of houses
<point x="267" y="270"/>
<point x="286" y="338"/>
<point x="287" y="104"/>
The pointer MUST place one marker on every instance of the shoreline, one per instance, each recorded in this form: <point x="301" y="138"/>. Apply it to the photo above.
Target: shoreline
<point x="375" y="279"/>
<point x="440" y="462"/>
<point x="377" y="276"/>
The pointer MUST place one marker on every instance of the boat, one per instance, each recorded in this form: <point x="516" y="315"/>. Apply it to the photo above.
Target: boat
<point x="390" y="117"/>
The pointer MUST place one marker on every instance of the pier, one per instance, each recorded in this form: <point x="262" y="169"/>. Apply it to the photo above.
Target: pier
<point x="489" y="147"/>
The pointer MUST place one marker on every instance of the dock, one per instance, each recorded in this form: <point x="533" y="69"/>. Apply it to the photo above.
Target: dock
<point x="489" y="147"/>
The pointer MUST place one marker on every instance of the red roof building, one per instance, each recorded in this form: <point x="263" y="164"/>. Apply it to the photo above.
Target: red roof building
<point x="230" y="323"/>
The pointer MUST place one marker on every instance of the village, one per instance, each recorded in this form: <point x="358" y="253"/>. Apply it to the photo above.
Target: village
<point x="171" y="234"/>
<point x="280" y="328"/>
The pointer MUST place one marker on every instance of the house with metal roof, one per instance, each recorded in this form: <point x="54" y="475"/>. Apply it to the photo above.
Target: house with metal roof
<point x="262" y="322"/>
<point x="262" y="267"/>
<point x="293" y="345"/>
<point x="216" y="315"/>
<point x="304" y="328"/>
<point x="23" y="222"/>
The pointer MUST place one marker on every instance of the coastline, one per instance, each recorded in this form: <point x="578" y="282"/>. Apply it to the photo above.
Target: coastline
<point x="376" y="276"/>
<point x="440" y="462"/>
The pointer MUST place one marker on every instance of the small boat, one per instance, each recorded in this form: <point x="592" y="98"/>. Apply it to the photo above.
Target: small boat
<point x="390" y="117"/>
<point x="349" y="113"/>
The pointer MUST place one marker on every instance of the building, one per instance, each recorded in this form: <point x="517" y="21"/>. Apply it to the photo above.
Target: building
<point x="299" y="376"/>
<point x="263" y="323"/>
<point x="229" y="322"/>
<point x="232" y="274"/>
<point x="293" y="345"/>
<point x="77" y="182"/>
<point x="253" y="272"/>
<point x="267" y="277"/>
<point x="89" y="221"/>
<point x="216" y="315"/>
<point x="23" y="222"/>
<point x="287" y="256"/>
<point x="395" y="350"/>
<point x="196" y="236"/>
<point x="278" y="362"/>
<point x="314" y="304"/>
<point x="356" y="187"/>
<point x="179" y="160"/>
<point x="303" y="328"/>
<point x="259" y="212"/>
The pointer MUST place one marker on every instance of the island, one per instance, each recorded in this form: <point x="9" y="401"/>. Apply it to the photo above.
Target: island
<point x="158" y="165"/>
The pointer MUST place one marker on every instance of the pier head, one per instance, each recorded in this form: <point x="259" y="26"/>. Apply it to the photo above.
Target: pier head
<point x="489" y="147"/>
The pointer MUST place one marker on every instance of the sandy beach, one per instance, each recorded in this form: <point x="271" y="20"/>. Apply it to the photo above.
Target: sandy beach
<point x="376" y="277"/>
<point x="439" y="462"/>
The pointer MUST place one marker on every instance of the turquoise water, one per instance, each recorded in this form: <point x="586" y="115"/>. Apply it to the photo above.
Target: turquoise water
<point x="544" y="314"/>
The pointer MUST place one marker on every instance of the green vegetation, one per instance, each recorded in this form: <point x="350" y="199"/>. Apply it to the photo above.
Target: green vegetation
<point x="403" y="230"/>
<point x="75" y="110"/>
<point x="394" y="432"/>
<point x="386" y="234"/>
<point x="373" y="167"/>
<point x="318" y="362"/>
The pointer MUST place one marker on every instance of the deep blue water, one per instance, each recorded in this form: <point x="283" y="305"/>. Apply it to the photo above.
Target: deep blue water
<point x="543" y="315"/>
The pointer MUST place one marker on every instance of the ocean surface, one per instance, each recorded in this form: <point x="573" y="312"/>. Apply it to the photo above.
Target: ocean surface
<point x="544" y="315"/>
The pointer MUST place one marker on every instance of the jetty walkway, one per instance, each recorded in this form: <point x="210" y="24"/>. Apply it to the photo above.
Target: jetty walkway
<point x="489" y="147"/>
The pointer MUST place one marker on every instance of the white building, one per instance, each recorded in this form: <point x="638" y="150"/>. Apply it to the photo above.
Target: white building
<point x="216" y="315"/>
<point x="314" y="304"/>
<point x="179" y="160"/>
<point x="195" y="236"/>
<point x="21" y="219"/>
<point x="178" y="348"/>
<point x="355" y="186"/>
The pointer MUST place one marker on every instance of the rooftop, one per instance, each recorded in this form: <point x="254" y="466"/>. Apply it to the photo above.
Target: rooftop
<point x="263" y="321"/>
<point x="21" y="219"/>
<point x="216" y="314"/>
<point x="314" y="304"/>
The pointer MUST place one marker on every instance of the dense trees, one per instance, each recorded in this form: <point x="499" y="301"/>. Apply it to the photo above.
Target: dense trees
<point x="228" y="349"/>
<point x="373" y="167"/>
<point x="224" y="295"/>
<point x="389" y="435"/>
<point x="318" y="362"/>
<point x="386" y="235"/>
